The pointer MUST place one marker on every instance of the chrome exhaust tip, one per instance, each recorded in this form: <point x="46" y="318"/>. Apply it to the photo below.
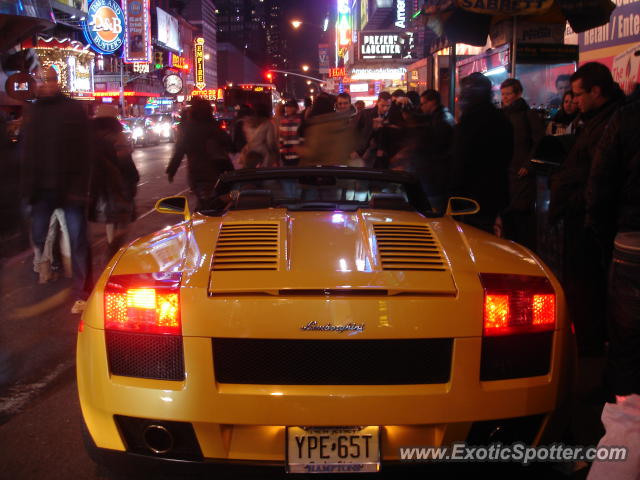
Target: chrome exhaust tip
<point x="158" y="439"/>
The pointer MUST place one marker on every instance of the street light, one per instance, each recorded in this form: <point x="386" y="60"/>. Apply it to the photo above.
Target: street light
<point x="296" y="24"/>
<point x="305" y="68"/>
<point x="308" y="82"/>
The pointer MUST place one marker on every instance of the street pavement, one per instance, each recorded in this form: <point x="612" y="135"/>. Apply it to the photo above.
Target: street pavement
<point x="40" y="419"/>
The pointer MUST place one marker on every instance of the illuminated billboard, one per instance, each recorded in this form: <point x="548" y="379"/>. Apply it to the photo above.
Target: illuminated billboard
<point x="168" y="33"/>
<point x="137" y="44"/>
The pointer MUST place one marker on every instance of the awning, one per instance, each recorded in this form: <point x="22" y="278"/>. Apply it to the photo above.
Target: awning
<point x="469" y="21"/>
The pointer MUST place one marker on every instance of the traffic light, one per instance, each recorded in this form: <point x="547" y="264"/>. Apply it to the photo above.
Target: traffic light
<point x="269" y="76"/>
<point x="158" y="59"/>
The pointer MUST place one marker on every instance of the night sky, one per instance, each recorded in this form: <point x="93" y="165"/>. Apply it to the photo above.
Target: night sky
<point x="303" y="43"/>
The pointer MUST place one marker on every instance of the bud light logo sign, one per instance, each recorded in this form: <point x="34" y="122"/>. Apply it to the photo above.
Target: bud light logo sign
<point x="104" y="27"/>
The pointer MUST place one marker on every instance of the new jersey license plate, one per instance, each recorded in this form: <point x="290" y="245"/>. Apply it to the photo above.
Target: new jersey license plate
<point x="333" y="449"/>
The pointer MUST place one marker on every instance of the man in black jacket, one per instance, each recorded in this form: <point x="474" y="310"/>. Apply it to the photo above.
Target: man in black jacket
<point x="56" y="172"/>
<point x="482" y="150"/>
<point x="597" y="97"/>
<point x="613" y="206"/>
<point x="434" y="143"/>
<point x="379" y="132"/>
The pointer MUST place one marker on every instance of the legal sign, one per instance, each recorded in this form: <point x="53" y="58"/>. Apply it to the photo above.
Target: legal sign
<point x="337" y="72"/>
<point x="104" y="27"/>
<point x="199" y="63"/>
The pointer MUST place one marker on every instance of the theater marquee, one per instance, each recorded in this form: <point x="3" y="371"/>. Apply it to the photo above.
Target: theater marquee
<point x="382" y="45"/>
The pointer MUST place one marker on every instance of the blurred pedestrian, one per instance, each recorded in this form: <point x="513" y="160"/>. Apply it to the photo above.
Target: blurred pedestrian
<point x="237" y="132"/>
<point x="289" y="134"/>
<point x="56" y="173"/>
<point x="597" y="97"/>
<point x="207" y="148"/>
<point x="518" y="219"/>
<point x="328" y="135"/>
<point x="263" y="146"/>
<point x="481" y="153"/>
<point x="360" y="106"/>
<point x="613" y="214"/>
<point x="114" y="181"/>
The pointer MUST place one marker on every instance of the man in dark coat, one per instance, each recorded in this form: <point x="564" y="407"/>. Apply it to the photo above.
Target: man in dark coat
<point x="379" y="131"/>
<point x="482" y="152"/>
<point x="597" y="97"/>
<point x="436" y="136"/>
<point x="56" y="172"/>
<point x="528" y="129"/>
<point x="207" y="148"/>
<point x="613" y="211"/>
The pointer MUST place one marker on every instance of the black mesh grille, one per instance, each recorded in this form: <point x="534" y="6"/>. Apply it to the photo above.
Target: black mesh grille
<point x="332" y="362"/>
<point x="516" y="356"/>
<point x="146" y="356"/>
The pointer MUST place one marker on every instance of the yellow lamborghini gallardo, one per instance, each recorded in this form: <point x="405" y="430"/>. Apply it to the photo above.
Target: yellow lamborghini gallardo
<point x="320" y="319"/>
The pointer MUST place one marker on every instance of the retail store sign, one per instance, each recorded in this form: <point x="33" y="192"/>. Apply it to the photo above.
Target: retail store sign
<point x="380" y="45"/>
<point x="141" y="68"/>
<point x="338" y="72"/>
<point x="176" y="61"/>
<point x="401" y="14"/>
<point x="104" y="27"/>
<point x="626" y="68"/>
<point x="199" y="63"/>
<point x="378" y="73"/>
<point x="212" y="95"/>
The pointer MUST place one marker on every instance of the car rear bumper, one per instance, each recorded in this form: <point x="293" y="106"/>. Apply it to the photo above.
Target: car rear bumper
<point x="247" y="422"/>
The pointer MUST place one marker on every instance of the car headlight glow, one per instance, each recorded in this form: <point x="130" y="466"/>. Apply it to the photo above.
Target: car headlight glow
<point x="138" y="132"/>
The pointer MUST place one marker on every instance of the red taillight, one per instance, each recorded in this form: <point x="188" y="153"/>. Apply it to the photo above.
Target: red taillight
<point x="147" y="303"/>
<point x="515" y="304"/>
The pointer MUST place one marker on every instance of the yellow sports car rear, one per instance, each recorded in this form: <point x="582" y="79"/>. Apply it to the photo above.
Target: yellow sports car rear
<point x="320" y="319"/>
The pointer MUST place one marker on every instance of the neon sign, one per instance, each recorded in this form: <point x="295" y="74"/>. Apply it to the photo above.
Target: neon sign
<point x="199" y="63"/>
<point x="401" y="14"/>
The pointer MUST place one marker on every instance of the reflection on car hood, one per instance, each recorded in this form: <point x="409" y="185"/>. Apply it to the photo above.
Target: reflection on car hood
<point x="365" y="252"/>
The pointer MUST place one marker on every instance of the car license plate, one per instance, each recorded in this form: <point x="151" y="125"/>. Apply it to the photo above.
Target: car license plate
<point x="333" y="449"/>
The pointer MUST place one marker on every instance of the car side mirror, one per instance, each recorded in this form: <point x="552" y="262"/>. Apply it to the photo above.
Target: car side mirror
<point x="462" y="206"/>
<point x="174" y="206"/>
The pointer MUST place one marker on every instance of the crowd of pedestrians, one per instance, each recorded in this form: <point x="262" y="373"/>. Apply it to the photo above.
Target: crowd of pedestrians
<point x="484" y="153"/>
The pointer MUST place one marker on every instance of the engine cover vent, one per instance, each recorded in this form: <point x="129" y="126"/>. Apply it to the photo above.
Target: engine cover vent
<point x="408" y="247"/>
<point x="247" y="246"/>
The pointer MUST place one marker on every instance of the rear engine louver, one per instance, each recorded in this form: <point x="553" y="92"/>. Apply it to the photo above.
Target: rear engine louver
<point x="247" y="246"/>
<point x="408" y="247"/>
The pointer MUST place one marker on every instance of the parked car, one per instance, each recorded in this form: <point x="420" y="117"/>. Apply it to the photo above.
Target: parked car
<point x="319" y="319"/>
